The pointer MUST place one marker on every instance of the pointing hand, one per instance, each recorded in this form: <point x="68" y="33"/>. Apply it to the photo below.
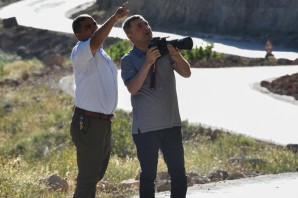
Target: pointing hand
<point x="122" y="11"/>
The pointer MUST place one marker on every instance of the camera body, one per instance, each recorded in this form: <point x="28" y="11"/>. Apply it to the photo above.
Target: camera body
<point x="161" y="44"/>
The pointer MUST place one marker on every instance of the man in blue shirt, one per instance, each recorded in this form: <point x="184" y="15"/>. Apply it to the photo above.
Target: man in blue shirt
<point x="156" y="119"/>
<point x="96" y="97"/>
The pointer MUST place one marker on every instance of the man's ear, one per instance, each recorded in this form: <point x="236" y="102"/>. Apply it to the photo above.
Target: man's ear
<point x="77" y="35"/>
<point x="129" y="36"/>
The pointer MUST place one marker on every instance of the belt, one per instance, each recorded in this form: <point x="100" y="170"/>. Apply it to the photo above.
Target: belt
<point x="108" y="117"/>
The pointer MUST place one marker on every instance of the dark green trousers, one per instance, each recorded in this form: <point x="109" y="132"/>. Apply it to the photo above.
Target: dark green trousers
<point x="92" y="138"/>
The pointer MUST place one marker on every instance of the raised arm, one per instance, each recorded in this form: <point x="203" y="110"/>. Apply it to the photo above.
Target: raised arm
<point x="135" y="84"/>
<point x="103" y="32"/>
<point x="181" y="66"/>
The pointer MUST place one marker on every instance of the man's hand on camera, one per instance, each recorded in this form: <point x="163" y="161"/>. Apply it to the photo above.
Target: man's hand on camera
<point x="174" y="52"/>
<point x="152" y="54"/>
<point x="181" y="65"/>
<point x="122" y="11"/>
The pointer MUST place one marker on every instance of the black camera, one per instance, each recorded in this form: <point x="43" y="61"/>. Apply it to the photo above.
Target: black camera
<point x="161" y="43"/>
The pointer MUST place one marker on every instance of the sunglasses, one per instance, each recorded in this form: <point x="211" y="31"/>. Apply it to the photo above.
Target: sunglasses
<point x="89" y="26"/>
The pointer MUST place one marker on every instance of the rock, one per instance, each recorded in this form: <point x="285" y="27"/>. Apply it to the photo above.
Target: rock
<point x="25" y="76"/>
<point x="163" y="176"/>
<point x="10" y="22"/>
<point x="283" y="61"/>
<point x="10" y="82"/>
<point x="162" y="185"/>
<point x="240" y="159"/>
<point x="254" y="162"/>
<point x="106" y="186"/>
<point x="218" y="175"/>
<point x="129" y="184"/>
<point x="233" y="176"/>
<point x="295" y="62"/>
<point x="55" y="183"/>
<point x="5" y="107"/>
<point x="292" y="147"/>
<point x="284" y="85"/>
<point x="295" y="88"/>
<point x="194" y="178"/>
<point x="265" y="83"/>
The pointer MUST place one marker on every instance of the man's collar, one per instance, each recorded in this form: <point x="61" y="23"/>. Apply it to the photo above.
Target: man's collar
<point x="138" y="52"/>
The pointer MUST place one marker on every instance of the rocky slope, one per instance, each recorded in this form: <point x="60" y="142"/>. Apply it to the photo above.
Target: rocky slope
<point x="258" y="20"/>
<point x="28" y="42"/>
<point x="284" y="85"/>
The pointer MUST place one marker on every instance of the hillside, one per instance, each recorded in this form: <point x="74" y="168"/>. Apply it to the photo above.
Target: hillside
<point x="28" y="42"/>
<point x="257" y="20"/>
<point x="53" y="48"/>
<point x="37" y="158"/>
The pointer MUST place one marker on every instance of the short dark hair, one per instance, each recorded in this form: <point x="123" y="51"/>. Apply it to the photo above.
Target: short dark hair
<point x="76" y="24"/>
<point x="126" y="24"/>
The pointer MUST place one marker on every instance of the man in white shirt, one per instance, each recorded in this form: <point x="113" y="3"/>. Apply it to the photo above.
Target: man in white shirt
<point x="96" y="96"/>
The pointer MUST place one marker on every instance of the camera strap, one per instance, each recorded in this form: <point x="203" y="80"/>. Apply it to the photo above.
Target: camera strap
<point x="153" y="75"/>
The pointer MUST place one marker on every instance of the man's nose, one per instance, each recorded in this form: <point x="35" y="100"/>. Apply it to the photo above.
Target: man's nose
<point x="146" y="27"/>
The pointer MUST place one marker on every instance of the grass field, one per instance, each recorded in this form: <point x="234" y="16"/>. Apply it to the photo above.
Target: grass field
<point x="35" y="142"/>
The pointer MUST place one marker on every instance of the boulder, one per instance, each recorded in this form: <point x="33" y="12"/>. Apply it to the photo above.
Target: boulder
<point x="10" y="22"/>
<point x="56" y="183"/>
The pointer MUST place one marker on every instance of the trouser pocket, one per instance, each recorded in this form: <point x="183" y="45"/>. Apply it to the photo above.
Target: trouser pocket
<point x="79" y="126"/>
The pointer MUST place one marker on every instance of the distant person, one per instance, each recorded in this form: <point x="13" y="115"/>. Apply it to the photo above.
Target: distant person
<point x="268" y="48"/>
<point x="156" y="119"/>
<point x="96" y="96"/>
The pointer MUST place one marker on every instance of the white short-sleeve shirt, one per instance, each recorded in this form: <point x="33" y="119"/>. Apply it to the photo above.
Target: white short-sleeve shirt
<point x="95" y="77"/>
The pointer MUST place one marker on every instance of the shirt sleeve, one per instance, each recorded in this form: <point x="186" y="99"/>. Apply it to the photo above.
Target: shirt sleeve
<point x="128" y="70"/>
<point x="81" y="53"/>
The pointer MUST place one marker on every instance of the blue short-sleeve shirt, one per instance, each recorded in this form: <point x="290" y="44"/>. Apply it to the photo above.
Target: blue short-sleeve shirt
<point x="153" y="109"/>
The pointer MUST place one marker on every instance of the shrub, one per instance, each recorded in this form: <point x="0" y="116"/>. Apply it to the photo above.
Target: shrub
<point x="123" y="145"/>
<point x="6" y="58"/>
<point x="118" y="49"/>
<point x="201" y="53"/>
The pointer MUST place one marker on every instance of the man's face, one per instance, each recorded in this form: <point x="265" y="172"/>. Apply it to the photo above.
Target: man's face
<point x="140" y="31"/>
<point x="88" y="27"/>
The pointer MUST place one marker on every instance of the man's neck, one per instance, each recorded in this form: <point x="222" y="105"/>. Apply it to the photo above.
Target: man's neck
<point x="142" y="47"/>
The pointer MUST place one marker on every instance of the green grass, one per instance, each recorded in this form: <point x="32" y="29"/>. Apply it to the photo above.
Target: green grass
<point x="35" y="142"/>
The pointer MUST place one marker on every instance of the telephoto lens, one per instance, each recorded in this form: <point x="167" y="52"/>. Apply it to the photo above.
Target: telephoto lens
<point x="161" y="43"/>
<point x="183" y="44"/>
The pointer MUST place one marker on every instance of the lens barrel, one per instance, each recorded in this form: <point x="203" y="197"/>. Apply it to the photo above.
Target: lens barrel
<point x="183" y="44"/>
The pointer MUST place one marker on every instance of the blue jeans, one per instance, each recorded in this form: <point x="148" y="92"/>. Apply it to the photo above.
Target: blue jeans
<point x="169" y="141"/>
